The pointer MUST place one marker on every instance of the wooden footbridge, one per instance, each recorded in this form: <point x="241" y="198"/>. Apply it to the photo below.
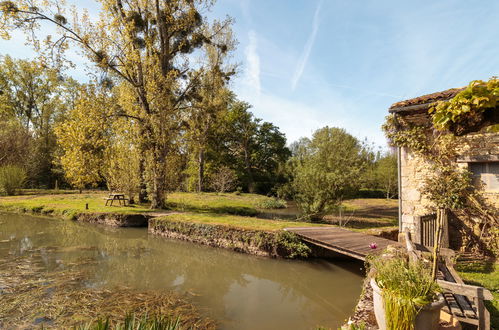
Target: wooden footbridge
<point x="343" y="241"/>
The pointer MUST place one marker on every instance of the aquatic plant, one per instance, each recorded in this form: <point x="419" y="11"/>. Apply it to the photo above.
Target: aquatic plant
<point x="132" y="322"/>
<point x="57" y="298"/>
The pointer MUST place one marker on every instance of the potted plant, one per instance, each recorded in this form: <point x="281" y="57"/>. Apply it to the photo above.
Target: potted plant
<point x="405" y="296"/>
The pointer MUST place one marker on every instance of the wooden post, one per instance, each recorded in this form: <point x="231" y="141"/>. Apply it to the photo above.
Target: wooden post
<point x="445" y="230"/>
<point x="417" y="230"/>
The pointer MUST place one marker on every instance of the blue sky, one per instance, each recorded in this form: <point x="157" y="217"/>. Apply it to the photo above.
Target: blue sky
<point x="305" y="64"/>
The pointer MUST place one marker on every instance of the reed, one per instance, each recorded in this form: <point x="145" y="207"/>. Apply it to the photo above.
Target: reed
<point x="406" y="286"/>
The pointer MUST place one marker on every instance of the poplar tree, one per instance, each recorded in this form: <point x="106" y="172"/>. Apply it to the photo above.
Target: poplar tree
<point x="142" y="43"/>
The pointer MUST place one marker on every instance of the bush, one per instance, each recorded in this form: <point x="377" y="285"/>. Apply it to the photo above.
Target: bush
<point x="370" y="193"/>
<point x="272" y="203"/>
<point x="12" y="179"/>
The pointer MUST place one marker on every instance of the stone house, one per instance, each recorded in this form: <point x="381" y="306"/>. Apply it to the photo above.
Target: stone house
<point x="477" y="151"/>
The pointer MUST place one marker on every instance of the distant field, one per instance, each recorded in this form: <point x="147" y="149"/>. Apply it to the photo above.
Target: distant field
<point x="366" y="212"/>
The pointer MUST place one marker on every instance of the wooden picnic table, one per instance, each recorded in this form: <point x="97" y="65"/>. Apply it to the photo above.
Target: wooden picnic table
<point x="116" y="197"/>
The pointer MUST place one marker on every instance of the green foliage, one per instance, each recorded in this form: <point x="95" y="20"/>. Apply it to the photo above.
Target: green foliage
<point x="406" y="288"/>
<point x="272" y="203"/>
<point x="33" y="99"/>
<point x="447" y="187"/>
<point x="84" y="138"/>
<point x="255" y="150"/>
<point x="132" y="322"/>
<point x="466" y="111"/>
<point x="12" y="179"/>
<point x="402" y="134"/>
<point x="326" y="170"/>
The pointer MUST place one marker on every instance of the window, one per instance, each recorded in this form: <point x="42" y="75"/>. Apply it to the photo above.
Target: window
<point x="487" y="174"/>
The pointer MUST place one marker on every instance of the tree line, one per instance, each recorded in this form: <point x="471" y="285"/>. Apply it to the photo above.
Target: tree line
<point x="158" y="114"/>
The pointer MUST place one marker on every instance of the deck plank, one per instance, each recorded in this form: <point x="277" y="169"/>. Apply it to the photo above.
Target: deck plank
<point x="343" y="241"/>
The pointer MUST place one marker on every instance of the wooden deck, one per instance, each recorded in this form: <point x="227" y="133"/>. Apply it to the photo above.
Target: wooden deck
<point x="343" y="241"/>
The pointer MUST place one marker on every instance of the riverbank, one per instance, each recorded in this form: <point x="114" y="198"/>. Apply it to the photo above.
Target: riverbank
<point x="210" y="225"/>
<point x="241" y="234"/>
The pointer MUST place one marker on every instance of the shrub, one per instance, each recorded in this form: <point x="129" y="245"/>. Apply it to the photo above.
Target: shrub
<point x="12" y="179"/>
<point x="272" y="203"/>
<point x="224" y="180"/>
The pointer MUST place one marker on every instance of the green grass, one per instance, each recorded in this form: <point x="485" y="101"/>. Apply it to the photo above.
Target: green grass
<point x="66" y="205"/>
<point x="486" y="274"/>
<point x="236" y="221"/>
<point x="224" y="209"/>
<point x="243" y="204"/>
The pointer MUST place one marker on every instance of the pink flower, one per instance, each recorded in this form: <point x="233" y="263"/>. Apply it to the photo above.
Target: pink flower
<point x="373" y="245"/>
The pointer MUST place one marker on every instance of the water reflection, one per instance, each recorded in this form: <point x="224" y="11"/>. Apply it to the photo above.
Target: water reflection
<point x="240" y="291"/>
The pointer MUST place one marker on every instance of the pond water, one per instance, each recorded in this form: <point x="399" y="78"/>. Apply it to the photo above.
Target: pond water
<point x="239" y="291"/>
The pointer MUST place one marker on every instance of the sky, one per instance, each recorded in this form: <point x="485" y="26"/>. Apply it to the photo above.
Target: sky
<point x="305" y="64"/>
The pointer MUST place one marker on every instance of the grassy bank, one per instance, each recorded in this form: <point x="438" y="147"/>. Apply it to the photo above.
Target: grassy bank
<point x="483" y="273"/>
<point x="242" y="234"/>
<point x="65" y="205"/>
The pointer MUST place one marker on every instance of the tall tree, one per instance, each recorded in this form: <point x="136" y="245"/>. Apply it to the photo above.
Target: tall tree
<point x="85" y="137"/>
<point x="386" y="174"/>
<point x="36" y="97"/>
<point x="210" y="105"/>
<point x="326" y="170"/>
<point x="143" y="43"/>
<point x="254" y="149"/>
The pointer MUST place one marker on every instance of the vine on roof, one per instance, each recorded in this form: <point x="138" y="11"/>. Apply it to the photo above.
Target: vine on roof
<point x="467" y="111"/>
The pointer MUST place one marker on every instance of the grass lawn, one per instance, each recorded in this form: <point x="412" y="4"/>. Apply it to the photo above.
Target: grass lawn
<point x="237" y="221"/>
<point x="486" y="274"/>
<point x="226" y="209"/>
<point x="229" y="203"/>
<point x="66" y="204"/>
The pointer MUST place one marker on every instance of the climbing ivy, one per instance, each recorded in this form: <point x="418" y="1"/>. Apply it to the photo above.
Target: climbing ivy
<point x="466" y="111"/>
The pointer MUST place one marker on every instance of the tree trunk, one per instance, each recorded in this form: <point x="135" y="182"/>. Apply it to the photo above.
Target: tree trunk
<point x="201" y="170"/>
<point x="157" y="191"/>
<point x="441" y="213"/>
<point x="142" y="185"/>
<point x="251" y="185"/>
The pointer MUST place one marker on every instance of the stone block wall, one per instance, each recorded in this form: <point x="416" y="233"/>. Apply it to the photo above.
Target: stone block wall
<point x="414" y="169"/>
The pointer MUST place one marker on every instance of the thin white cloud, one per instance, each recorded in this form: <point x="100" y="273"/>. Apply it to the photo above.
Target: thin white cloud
<point x="252" y="72"/>
<point x="308" y="47"/>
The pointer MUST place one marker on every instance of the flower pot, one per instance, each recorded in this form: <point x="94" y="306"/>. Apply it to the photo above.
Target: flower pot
<point x="427" y="319"/>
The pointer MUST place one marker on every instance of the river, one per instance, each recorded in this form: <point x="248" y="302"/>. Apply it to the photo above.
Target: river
<point x="239" y="291"/>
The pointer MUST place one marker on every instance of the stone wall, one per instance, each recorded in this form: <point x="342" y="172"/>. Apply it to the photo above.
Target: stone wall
<point x="414" y="169"/>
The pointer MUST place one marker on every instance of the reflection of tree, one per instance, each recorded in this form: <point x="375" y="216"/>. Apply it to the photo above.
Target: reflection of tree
<point x="131" y="257"/>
